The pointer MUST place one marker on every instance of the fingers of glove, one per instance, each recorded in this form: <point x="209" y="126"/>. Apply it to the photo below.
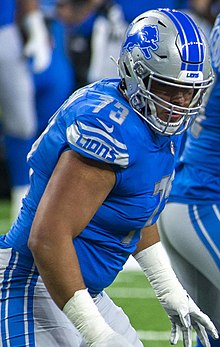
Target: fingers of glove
<point x="187" y="337"/>
<point x="185" y="320"/>
<point x="199" y="317"/>
<point x="175" y="333"/>
<point x="176" y="319"/>
<point x="205" y="321"/>
<point x="114" y="340"/>
<point x="201" y="333"/>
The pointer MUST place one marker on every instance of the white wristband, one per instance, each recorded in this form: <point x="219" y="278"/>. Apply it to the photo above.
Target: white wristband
<point x="156" y="266"/>
<point x="83" y="313"/>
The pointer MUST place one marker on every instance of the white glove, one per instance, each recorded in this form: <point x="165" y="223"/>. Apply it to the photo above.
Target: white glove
<point x="182" y="311"/>
<point x="38" y="45"/>
<point x="84" y="314"/>
<point x="189" y="315"/>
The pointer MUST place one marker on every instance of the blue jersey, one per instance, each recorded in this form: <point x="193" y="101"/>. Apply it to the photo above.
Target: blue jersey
<point x="48" y="7"/>
<point x="198" y="172"/>
<point x="7" y="12"/>
<point x="97" y="122"/>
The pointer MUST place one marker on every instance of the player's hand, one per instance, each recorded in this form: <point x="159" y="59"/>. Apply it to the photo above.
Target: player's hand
<point x="84" y="314"/>
<point x="186" y="316"/>
<point x="113" y="340"/>
<point x="38" y="46"/>
<point x="181" y="309"/>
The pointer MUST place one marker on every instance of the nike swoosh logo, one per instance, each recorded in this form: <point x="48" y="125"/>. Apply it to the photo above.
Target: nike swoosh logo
<point x="107" y="128"/>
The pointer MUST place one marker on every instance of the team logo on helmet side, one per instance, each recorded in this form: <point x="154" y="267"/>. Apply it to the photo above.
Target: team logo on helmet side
<point x="145" y="39"/>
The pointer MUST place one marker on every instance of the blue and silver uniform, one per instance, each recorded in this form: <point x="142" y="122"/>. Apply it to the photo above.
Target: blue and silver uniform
<point x="57" y="82"/>
<point x="189" y="225"/>
<point x="98" y="122"/>
<point x="197" y="180"/>
<point x="198" y="176"/>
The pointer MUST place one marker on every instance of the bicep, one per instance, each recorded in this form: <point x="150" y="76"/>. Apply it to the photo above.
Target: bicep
<point x="76" y="189"/>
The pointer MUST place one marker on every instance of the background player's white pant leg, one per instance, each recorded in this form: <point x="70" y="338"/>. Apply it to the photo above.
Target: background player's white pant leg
<point x="176" y="224"/>
<point x="116" y="318"/>
<point x="16" y="86"/>
<point x="17" y="103"/>
<point x="190" y="259"/>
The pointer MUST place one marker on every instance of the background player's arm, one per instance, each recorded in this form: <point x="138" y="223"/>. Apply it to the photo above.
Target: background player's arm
<point x="27" y="6"/>
<point x="75" y="191"/>
<point x="37" y="41"/>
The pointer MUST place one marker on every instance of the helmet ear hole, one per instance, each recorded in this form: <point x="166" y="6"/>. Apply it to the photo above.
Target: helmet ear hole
<point x="126" y="70"/>
<point x="146" y="81"/>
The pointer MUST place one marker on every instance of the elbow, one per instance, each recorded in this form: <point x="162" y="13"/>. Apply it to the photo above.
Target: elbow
<point x="33" y="243"/>
<point x="38" y="241"/>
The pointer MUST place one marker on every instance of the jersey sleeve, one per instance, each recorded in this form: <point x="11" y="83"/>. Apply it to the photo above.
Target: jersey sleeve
<point x="98" y="138"/>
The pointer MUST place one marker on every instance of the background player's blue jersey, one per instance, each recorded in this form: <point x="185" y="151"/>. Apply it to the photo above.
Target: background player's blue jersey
<point x="98" y="122"/>
<point x="198" y="173"/>
<point x="7" y="12"/>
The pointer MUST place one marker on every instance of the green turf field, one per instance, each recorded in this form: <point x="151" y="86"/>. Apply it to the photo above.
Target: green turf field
<point x="132" y="292"/>
<point x="4" y="215"/>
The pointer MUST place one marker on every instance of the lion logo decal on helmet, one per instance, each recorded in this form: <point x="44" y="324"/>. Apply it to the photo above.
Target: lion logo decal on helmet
<point x="145" y="39"/>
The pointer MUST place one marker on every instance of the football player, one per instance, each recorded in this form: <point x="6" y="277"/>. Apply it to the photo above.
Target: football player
<point x="190" y="224"/>
<point x="16" y="88"/>
<point x="100" y="176"/>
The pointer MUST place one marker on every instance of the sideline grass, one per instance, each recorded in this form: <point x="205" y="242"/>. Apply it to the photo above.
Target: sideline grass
<point x="4" y="216"/>
<point x="145" y="312"/>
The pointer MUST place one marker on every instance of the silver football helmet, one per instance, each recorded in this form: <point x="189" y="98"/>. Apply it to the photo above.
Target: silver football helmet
<point x="165" y="46"/>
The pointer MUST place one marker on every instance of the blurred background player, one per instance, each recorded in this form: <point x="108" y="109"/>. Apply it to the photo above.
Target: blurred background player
<point x="56" y="82"/>
<point x="78" y="17"/>
<point x="107" y="35"/>
<point x="190" y="223"/>
<point x="17" y="101"/>
<point x="94" y="30"/>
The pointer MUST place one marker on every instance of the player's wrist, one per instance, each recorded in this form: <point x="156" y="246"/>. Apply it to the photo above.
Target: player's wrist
<point x="157" y="268"/>
<point x="84" y="314"/>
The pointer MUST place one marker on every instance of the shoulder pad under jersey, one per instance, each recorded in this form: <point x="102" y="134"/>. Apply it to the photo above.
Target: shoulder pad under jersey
<point x="94" y="128"/>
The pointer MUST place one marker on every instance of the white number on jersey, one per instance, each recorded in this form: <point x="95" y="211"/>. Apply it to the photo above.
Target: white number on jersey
<point x="118" y="115"/>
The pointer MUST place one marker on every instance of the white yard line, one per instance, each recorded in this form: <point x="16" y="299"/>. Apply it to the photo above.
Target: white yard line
<point x="131" y="293"/>
<point x="157" y="335"/>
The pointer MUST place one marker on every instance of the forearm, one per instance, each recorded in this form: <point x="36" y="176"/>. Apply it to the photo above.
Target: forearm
<point x="154" y="262"/>
<point x="58" y="266"/>
<point x="37" y="40"/>
<point x="157" y="268"/>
